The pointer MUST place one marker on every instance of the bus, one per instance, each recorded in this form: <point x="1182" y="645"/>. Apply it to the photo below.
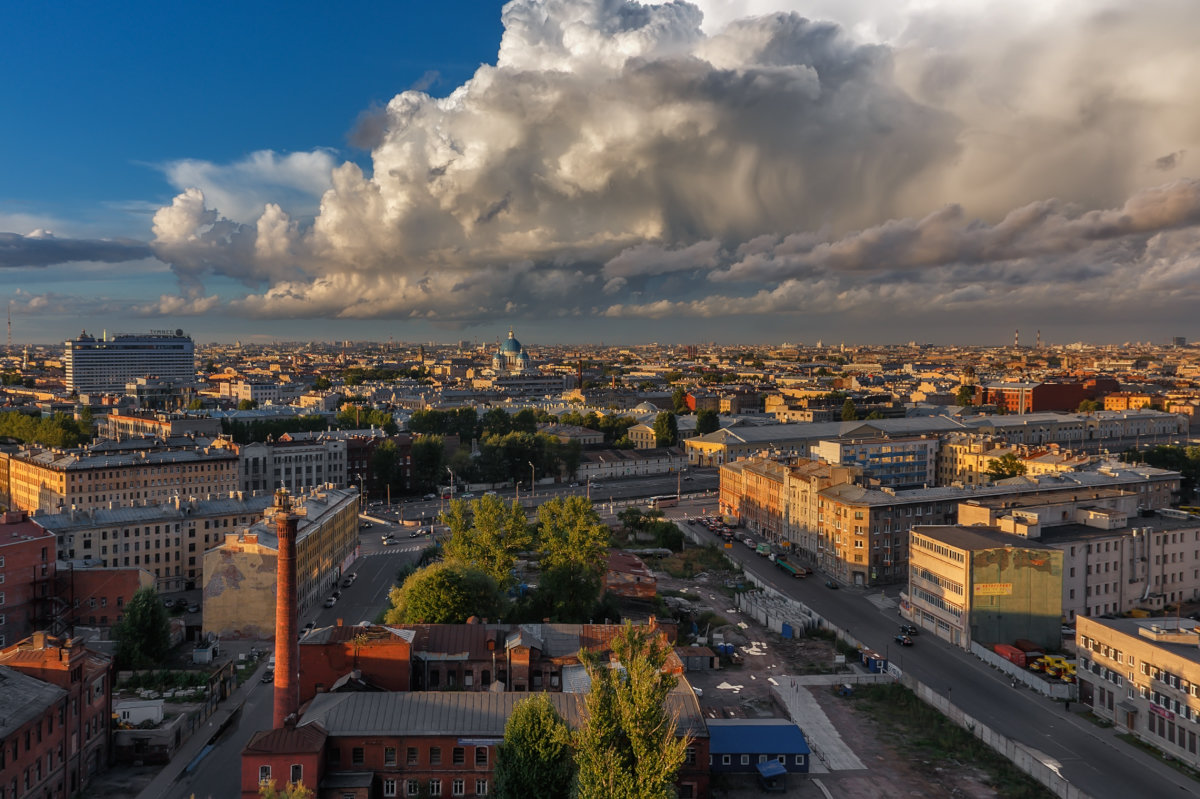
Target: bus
<point x="664" y="501"/>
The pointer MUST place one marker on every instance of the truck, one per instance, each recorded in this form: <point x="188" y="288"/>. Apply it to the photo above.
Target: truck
<point x="795" y="571"/>
<point x="763" y="550"/>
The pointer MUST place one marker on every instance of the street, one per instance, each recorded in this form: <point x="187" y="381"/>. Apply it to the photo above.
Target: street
<point x="1090" y="757"/>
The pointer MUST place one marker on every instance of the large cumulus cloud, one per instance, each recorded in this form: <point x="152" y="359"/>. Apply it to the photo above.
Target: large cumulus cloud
<point x="623" y="159"/>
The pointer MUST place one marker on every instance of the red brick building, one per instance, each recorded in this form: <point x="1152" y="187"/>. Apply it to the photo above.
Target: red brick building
<point x="97" y="596"/>
<point x="1037" y="397"/>
<point x="27" y="555"/>
<point x="382" y="657"/>
<point x="31" y="736"/>
<point x="431" y="743"/>
<point x="83" y="725"/>
<point x="628" y="576"/>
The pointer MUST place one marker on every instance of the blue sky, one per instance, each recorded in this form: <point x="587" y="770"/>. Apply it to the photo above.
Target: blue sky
<point x="587" y="170"/>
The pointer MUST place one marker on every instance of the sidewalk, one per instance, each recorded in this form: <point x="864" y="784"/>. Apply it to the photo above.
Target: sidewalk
<point x="802" y="707"/>
<point x="194" y="746"/>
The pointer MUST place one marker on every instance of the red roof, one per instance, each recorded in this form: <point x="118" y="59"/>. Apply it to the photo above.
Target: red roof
<point x="288" y="740"/>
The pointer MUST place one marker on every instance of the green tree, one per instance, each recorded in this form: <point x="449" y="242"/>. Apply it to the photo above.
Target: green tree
<point x="627" y="747"/>
<point x="322" y="383"/>
<point x="1090" y="406"/>
<point x="707" y="421"/>
<point x="196" y="404"/>
<point x="849" y="411"/>
<point x="444" y="593"/>
<point x="428" y="454"/>
<point x="497" y="421"/>
<point x="965" y="396"/>
<point x="679" y="400"/>
<point x="570" y="533"/>
<point x="535" y="760"/>
<point x="666" y="430"/>
<point x="1007" y="465"/>
<point x="143" y="634"/>
<point x="488" y="537"/>
<point x="291" y="790"/>
<point x="247" y="405"/>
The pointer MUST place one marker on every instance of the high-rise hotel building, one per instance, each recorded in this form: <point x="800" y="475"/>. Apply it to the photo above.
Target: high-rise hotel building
<point x="106" y="365"/>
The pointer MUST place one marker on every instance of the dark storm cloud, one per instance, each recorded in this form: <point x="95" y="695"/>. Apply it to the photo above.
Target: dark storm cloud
<point x="44" y="249"/>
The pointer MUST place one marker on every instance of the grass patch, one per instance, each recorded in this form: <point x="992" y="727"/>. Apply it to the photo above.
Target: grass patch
<point x="693" y="561"/>
<point x="1103" y="723"/>
<point x="932" y="741"/>
<point x="1133" y="740"/>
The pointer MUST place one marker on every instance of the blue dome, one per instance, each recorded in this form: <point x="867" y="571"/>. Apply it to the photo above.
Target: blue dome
<point x="510" y="344"/>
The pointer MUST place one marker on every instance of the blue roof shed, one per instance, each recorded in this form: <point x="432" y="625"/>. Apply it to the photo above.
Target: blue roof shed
<point x="739" y="745"/>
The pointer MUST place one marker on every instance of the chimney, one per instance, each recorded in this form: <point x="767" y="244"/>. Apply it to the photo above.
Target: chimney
<point x="287" y="651"/>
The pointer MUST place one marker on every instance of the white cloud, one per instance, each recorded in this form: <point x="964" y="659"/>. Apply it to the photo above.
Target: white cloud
<point x="923" y="152"/>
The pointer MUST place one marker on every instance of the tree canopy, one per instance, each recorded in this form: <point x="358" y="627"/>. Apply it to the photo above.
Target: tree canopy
<point x="143" y="634"/>
<point x="965" y="396"/>
<point x="627" y="747"/>
<point x="487" y="535"/>
<point x="707" y="421"/>
<point x="444" y="593"/>
<point x="849" y="411"/>
<point x="535" y="759"/>
<point x="291" y="790"/>
<point x="666" y="430"/>
<point x="1007" y="465"/>
<point x="59" y="430"/>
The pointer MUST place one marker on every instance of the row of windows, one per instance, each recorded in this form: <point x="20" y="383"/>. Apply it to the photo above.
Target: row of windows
<point x="937" y="579"/>
<point x="938" y="549"/>
<point x="458" y="756"/>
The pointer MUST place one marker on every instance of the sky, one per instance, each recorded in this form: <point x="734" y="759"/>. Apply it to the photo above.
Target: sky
<point x="585" y="171"/>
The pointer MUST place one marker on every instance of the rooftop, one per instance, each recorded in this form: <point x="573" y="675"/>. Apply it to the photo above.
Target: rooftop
<point x="23" y="699"/>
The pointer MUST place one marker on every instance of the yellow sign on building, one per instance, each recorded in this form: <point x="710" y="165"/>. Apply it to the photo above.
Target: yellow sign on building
<point x="993" y="589"/>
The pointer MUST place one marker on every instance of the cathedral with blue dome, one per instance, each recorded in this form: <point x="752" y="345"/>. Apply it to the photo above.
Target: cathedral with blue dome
<point x="511" y="358"/>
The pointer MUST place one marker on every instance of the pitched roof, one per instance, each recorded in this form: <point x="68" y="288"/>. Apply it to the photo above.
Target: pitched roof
<point x="23" y="698"/>
<point x="308" y="737"/>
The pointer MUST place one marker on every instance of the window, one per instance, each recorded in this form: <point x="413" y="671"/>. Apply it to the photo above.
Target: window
<point x="762" y="758"/>
<point x="389" y="787"/>
<point x="726" y="760"/>
<point x="356" y="755"/>
<point x="411" y="757"/>
<point x="297" y="773"/>
<point x="458" y="787"/>
<point x="435" y="756"/>
<point x="435" y="787"/>
<point x="799" y="760"/>
<point x="459" y="756"/>
<point x="481" y="787"/>
<point x="689" y="756"/>
<point x="412" y="788"/>
<point x="389" y="756"/>
<point x="264" y="773"/>
<point x="481" y="756"/>
<point x="745" y="760"/>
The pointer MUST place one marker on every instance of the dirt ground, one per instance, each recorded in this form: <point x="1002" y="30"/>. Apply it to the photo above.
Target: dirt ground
<point x="745" y="691"/>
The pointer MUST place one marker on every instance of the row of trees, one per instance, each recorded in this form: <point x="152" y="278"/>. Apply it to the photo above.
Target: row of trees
<point x="627" y="746"/>
<point x="59" y="430"/>
<point x="468" y="425"/>
<point x="485" y="539"/>
<point x="500" y="457"/>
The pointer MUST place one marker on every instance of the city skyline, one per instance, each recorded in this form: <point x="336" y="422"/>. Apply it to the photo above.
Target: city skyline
<point x="739" y="172"/>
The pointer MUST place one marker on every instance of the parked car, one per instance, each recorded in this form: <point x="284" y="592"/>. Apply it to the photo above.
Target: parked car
<point x="430" y="496"/>
<point x="909" y="629"/>
<point x="168" y="603"/>
<point x="347" y="582"/>
<point x="330" y="602"/>
<point x="193" y="608"/>
<point x="904" y="640"/>
<point x="831" y="584"/>
<point x="416" y="533"/>
<point x="467" y="495"/>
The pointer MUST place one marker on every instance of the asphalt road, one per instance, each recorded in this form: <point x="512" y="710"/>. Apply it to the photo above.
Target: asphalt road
<point x="218" y="776"/>
<point x="1090" y="757"/>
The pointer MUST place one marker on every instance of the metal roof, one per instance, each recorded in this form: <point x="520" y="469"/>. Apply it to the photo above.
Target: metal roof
<point x="756" y="737"/>
<point x="23" y="699"/>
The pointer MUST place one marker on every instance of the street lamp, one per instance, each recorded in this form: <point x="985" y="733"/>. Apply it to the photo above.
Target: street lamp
<point x="532" y="480"/>
<point x="451" y="483"/>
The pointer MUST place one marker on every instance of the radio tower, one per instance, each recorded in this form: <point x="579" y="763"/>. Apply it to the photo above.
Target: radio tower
<point x="1017" y="339"/>
<point x="1039" y="340"/>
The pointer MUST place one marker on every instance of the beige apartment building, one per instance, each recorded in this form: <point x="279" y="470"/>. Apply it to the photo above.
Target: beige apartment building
<point x="965" y="458"/>
<point x="52" y="481"/>
<point x="240" y="572"/>
<point x="168" y="540"/>
<point x="1115" y="557"/>
<point x="1143" y="675"/>
<point x="980" y="585"/>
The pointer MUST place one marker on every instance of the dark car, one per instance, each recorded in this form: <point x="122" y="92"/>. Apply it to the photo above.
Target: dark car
<point x="904" y="640"/>
<point x="416" y="533"/>
<point x="909" y="629"/>
<point x="268" y="676"/>
<point x="193" y="608"/>
<point x="830" y="584"/>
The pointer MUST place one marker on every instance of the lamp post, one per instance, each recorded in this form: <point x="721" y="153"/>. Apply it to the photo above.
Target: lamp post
<point x="362" y="494"/>
<point x="517" y="492"/>
<point x="532" y="480"/>
<point x="451" y="483"/>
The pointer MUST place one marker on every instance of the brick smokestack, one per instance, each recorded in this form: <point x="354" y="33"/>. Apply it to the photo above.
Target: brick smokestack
<point x="287" y="650"/>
